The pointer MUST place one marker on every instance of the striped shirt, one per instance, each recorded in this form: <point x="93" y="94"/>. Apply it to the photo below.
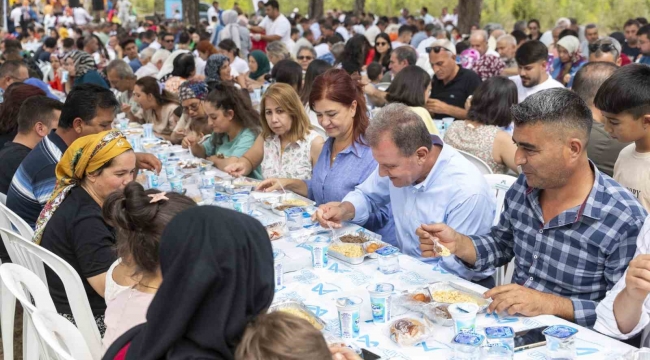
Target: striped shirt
<point x="35" y="179"/>
<point x="580" y="254"/>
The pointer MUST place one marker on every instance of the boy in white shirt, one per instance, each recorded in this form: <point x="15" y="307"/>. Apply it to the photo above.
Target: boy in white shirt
<point x="624" y="100"/>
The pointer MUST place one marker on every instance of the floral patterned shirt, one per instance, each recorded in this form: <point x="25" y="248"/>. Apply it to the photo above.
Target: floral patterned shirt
<point x="293" y="163"/>
<point x="488" y="66"/>
<point x="477" y="141"/>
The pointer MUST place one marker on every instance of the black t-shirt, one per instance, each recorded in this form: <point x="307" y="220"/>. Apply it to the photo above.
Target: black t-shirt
<point x="456" y="92"/>
<point x="631" y="52"/>
<point x="7" y="137"/>
<point x="11" y="155"/>
<point x="78" y="234"/>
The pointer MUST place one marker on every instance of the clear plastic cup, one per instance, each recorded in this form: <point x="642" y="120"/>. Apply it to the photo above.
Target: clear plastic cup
<point x="388" y="259"/>
<point x="136" y="142"/>
<point x="380" y="301"/>
<point x="447" y="122"/>
<point x="464" y="316"/>
<point x="319" y="249"/>
<point x="349" y="309"/>
<point x="148" y="131"/>
<point x="278" y="269"/>
<point x="240" y="203"/>
<point x="152" y="179"/>
<point x="560" y="342"/>
<point x="171" y="170"/>
<point x="176" y="184"/>
<point x="503" y="340"/>
<point x="207" y="178"/>
<point x="207" y="193"/>
<point x="467" y="346"/>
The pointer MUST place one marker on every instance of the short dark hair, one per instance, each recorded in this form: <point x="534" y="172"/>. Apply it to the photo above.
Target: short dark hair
<point x="272" y="3"/>
<point x="374" y="70"/>
<point x="68" y="43"/>
<point x="531" y="52"/>
<point x="408" y="86"/>
<point x="184" y="38"/>
<point x="126" y="42"/>
<point x="184" y="65"/>
<point x="13" y="44"/>
<point x="589" y="79"/>
<point x="83" y="101"/>
<point x="644" y="30"/>
<point x="492" y="101"/>
<point x="406" y="53"/>
<point x="229" y="45"/>
<point x="643" y="21"/>
<point x="149" y="34"/>
<point x="37" y="109"/>
<point x="294" y="31"/>
<point x="559" y="107"/>
<point x="568" y="32"/>
<point x="626" y="91"/>
<point x="405" y="29"/>
<point x="631" y="22"/>
<point x="50" y="42"/>
<point x="10" y="67"/>
<point x="425" y="9"/>
<point x="162" y="36"/>
<point x="519" y="36"/>
<point x="288" y="72"/>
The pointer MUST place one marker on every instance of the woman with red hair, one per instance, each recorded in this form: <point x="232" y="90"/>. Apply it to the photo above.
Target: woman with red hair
<point x="346" y="160"/>
<point x="14" y="97"/>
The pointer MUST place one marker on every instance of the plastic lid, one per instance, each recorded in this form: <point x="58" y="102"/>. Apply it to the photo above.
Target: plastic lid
<point x="381" y="288"/>
<point x="560" y="331"/>
<point x="468" y="338"/>
<point x="387" y="250"/>
<point x="499" y="332"/>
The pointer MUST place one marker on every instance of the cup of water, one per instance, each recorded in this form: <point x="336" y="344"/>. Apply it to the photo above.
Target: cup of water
<point x="124" y="124"/>
<point x="388" y="259"/>
<point x="148" y="131"/>
<point x="560" y="342"/>
<point x="240" y="203"/>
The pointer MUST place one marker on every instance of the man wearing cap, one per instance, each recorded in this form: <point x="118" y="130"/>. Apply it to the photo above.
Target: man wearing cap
<point x="451" y="85"/>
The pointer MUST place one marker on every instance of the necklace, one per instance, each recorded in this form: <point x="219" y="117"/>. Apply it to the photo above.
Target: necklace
<point x="143" y="285"/>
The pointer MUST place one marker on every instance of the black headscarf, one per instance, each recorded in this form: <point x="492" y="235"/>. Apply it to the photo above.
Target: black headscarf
<point x="217" y="268"/>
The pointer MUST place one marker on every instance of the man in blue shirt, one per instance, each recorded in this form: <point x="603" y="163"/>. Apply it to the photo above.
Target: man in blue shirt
<point x="643" y="40"/>
<point x="424" y="181"/>
<point x="89" y="109"/>
<point x="571" y="229"/>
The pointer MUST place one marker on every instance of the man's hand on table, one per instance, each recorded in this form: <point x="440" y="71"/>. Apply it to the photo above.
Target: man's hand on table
<point x="148" y="162"/>
<point x="517" y="299"/>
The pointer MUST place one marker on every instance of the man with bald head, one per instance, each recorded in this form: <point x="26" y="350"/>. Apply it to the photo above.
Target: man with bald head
<point x="507" y="47"/>
<point x="490" y="63"/>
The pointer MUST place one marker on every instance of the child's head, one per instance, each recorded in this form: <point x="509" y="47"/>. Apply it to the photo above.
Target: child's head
<point x="624" y="100"/>
<point x="282" y="336"/>
<point x="139" y="217"/>
<point x="375" y="72"/>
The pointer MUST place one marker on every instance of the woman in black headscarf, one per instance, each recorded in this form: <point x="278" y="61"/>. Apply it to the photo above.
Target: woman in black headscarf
<point x="217" y="277"/>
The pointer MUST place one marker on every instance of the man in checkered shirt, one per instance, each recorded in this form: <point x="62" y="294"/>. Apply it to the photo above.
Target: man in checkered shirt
<point x="571" y="229"/>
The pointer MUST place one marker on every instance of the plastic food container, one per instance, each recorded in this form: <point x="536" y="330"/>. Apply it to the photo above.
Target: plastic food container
<point x="335" y="252"/>
<point x="349" y="309"/>
<point x="467" y="346"/>
<point x="560" y="342"/>
<point x="298" y="309"/>
<point x="380" y="301"/>
<point x="439" y="313"/>
<point x="464" y="316"/>
<point x="449" y="292"/>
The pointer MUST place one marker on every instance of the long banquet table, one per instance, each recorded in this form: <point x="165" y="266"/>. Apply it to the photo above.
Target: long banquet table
<point x="319" y="288"/>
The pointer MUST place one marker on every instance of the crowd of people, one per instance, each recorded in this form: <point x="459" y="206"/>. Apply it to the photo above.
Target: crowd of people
<point x="347" y="111"/>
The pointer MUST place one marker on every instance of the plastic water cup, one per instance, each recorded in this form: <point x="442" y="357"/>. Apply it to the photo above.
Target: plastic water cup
<point x="176" y="184"/>
<point x="65" y="76"/>
<point x="464" y="316"/>
<point x="388" y="260"/>
<point x="257" y="95"/>
<point x="163" y="156"/>
<point x="447" y="122"/>
<point x="349" y="309"/>
<point x="152" y="179"/>
<point x="560" y="342"/>
<point x="135" y="141"/>
<point x="124" y="124"/>
<point x="171" y="170"/>
<point x="148" y="131"/>
<point x="467" y="346"/>
<point x="380" y="301"/>
<point x="207" y="178"/>
<point x="240" y="203"/>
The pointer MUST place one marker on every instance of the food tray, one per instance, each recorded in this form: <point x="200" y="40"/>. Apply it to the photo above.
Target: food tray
<point x="350" y="260"/>
<point x="372" y="239"/>
<point x="295" y="305"/>
<point x="450" y="286"/>
<point x="198" y="165"/>
<point x="268" y="200"/>
<point x="408" y="300"/>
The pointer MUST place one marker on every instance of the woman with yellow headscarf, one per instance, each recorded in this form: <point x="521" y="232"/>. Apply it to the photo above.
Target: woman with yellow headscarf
<point x="71" y="224"/>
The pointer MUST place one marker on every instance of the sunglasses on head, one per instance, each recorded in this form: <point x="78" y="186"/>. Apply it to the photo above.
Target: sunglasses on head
<point x="435" y="49"/>
<point x="603" y="47"/>
<point x="305" y="58"/>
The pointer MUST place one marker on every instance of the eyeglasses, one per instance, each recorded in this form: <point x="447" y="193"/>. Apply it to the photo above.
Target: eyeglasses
<point x="305" y="58"/>
<point x="435" y="49"/>
<point x="172" y="40"/>
<point x="193" y="108"/>
<point x="382" y="44"/>
<point x="603" y="47"/>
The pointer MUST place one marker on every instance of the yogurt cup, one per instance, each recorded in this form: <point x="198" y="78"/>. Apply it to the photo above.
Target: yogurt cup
<point x="240" y="203"/>
<point x="278" y="269"/>
<point x="148" y="131"/>
<point x="380" y="301"/>
<point x="464" y="316"/>
<point x="207" y="178"/>
<point x="176" y="184"/>
<point x="152" y="179"/>
<point x="319" y="255"/>
<point x="349" y="309"/>
<point x="560" y="342"/>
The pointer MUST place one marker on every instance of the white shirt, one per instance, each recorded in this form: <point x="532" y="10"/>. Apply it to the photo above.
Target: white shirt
<point x="81" y="16"/>
<point x="606" y="321"/>
<point x="315" y="29"/>
<point x="428" y="19"/>
<point x="16" y="14"/>
<point x="525" y="92"/>
<point x="300" y="43"/>
<point x="359" y="29"/>
<point x="240" y="65"/>
<point x="371" y="33"/>
<point x="395" y="44"/>
<point x="200" y="65"/>
<point x="280" y="27"/>
<point x="343" y="32"/>
<point x="321" y="50"/>
<point x="448" y="17"/>
<point x="148" y="70"/>
<point x="155" y="45"/>
<point x="212" y="12"/>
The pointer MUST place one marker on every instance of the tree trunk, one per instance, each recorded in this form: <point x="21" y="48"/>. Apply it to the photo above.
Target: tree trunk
<point x="159" y="7"/>
<point x="191" y="12"/>
<point x="316" y="9"/>
<point x="359" y="6"/>
<point x="469" y="14"/>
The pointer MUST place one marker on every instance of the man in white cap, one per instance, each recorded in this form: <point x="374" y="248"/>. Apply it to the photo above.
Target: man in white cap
<point x="451" y="85"/>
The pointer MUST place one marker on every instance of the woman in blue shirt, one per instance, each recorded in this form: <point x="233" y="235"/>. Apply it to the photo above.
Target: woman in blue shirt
<point x="346" y="160"/>
<point x="569" y="59"/>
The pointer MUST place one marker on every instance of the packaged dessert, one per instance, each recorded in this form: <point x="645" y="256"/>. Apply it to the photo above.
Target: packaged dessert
<point x="409" y="331"/>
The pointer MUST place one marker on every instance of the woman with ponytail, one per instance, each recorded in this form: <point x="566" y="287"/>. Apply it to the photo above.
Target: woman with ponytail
<point x="157" y="106"/>
<point x="346" y="160"/>
<point x="139" y="217"/>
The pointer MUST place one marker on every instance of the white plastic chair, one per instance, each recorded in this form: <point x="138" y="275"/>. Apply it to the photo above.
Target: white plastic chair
<point x="74" y="288"/>
<point x="20" y="283"/>
<point x="500" y="184"/>
<point x="3" y="199"/>
<point x="18" y="223"/>
<point x="19" y="249"/>
<point x="63" y="339"/>
<point x="480" y="164"/>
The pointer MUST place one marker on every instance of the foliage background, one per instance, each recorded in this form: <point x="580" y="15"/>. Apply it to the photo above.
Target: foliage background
<point x="609" y="14"/>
